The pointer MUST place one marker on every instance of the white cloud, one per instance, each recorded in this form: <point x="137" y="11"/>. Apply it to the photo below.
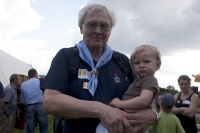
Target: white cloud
<point x="17" y="17"/>
<point x="31" y="54"/>
<point x="173" y="66"/>
<point x="171" y="26"/>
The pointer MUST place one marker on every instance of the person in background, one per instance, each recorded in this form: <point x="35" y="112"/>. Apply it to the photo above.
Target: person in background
<point x="83" y="101"/>
<point x="33" y="97"/>
<point x="168" y="123"/>
<point x="145" y="61"/>
<point x="1" y="92"/>
<point x="8" y="108"/>
<point x="186" y="105"/>
<point x="156" y="104"/>
<point x="21" y="107"/>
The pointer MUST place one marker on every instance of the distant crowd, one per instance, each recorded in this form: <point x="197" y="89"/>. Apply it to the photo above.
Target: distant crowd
<point x="21" y="106"/>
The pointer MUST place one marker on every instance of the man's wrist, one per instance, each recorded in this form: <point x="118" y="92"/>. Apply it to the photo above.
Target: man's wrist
<point x="157" y="116"/>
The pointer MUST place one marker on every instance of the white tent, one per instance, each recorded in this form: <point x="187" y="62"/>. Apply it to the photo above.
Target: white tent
<point x="10" y="65"/>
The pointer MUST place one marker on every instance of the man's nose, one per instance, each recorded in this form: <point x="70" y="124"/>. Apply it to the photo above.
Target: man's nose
<point x="98" y="30"/>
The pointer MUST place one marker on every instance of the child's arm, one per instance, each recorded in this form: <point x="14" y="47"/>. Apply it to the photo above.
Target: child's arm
<point x="140" y="102"/>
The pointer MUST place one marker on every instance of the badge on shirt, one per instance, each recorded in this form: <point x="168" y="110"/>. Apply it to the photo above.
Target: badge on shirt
<point x="85" y="85"/>
<point x="116" y="78"/>
<point x="186" y="102"/>
<point x="84" y="74"/>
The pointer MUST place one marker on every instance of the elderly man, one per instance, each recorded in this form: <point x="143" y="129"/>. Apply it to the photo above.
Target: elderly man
<point x="9" y="106"/>
<point x="83" y="99"/>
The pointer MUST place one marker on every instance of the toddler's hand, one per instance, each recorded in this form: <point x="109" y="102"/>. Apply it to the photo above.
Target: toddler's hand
<point x="115" y="103"/>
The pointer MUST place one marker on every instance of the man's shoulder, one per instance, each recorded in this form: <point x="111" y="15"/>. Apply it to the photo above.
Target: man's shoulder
<point x="121" y="55"/>
<point x="8" y="87"/>
<point x="1" y="86"/>
<point x="30" y="81"/>
<point x="124" y="58"/>
<point x="25" y="83"/>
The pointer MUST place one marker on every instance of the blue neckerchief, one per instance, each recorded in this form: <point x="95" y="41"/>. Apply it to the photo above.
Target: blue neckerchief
<point x="86" y="56"/>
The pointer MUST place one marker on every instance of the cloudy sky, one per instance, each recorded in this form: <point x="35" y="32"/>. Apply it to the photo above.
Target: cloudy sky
<point x="34" y="31"/>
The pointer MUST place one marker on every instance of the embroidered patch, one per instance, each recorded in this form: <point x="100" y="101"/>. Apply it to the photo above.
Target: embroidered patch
<point x="85" y="85"/>
<point x="116" y="78"/>
<point x="84" y="74"/>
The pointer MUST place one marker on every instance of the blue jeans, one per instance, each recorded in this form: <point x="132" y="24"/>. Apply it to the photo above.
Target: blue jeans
<point x="36" y="114"/>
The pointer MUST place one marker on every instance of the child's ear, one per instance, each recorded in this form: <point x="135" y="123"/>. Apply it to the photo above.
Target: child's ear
<point x="158" y="64"/>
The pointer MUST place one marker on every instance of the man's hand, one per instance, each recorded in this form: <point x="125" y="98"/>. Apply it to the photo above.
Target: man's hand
<point x="113" y="120"/>
<point x="115" y="103"/>
<point x="140" y="119"/>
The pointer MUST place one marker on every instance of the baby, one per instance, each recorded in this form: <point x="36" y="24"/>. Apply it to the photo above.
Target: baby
<point x="145" y="60"/>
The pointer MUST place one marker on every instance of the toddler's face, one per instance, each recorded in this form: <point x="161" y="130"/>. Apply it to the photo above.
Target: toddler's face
<point x="145" y="64"/>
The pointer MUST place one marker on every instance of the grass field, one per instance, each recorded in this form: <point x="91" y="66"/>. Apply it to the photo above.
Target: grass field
<point x="50" y="126"/>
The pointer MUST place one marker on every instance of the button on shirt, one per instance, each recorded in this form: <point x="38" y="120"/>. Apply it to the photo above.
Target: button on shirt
<point x="31" y="92"/>
<point x="11" y="98"/>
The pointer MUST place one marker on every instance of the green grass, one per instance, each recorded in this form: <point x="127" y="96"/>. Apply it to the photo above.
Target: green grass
<point x="37" y="130"/>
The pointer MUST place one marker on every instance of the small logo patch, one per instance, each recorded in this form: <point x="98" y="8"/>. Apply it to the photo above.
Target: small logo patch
<point x="116" y="78"/>
<point x="85" y="85"/>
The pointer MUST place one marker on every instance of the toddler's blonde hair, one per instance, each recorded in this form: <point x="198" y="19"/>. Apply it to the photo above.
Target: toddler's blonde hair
<point x="143" y="48"/>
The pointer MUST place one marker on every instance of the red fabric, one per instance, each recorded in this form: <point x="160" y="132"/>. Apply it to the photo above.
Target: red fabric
<point x="20" y="122"/>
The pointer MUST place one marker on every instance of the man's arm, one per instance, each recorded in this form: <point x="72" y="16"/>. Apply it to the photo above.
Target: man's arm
<point x="5" y="108"/>
<point x="68" y="107"/>
<point x="137" y="103"/>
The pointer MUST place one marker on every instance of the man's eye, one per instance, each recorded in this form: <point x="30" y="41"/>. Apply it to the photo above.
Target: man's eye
<point x="92" y="25"/>
<point x="146" y="61"/>
<point x="105" y="26"/>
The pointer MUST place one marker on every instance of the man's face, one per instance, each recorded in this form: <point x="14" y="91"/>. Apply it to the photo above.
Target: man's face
<point x="17" y="81"/>
<point x="96" y="38"/>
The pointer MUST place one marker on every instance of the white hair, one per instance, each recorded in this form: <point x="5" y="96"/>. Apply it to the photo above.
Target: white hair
<point x="94" y="7"/>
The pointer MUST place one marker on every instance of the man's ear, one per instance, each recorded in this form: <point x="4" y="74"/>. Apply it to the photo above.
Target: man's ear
<point x="36" y="75"/>
<point x="81" y="29"/>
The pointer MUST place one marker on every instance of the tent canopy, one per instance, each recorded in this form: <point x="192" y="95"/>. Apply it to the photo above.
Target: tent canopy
<point x="10" y="65"/>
